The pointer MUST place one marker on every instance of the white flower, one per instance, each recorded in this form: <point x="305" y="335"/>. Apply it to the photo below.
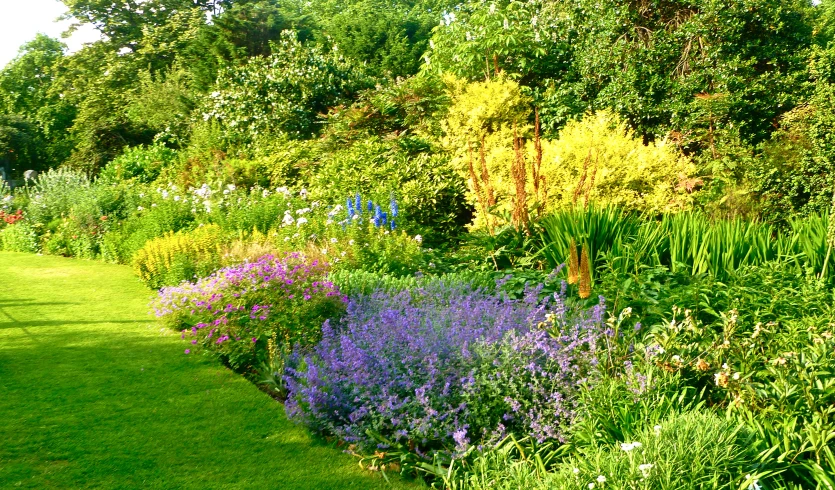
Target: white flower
<point x="303" y="211"/>
<point x="164" y="194"/>
<point x="343" y="254"/>
<point x="303" y="193"/>
<point x="295" y="235"/>
<point x="324" y="251"/>
<point x="288" y="219"/>
<point x="231" y="187"/>
<point x="645" y="469"/>
<point x="418" y="238"/>
<point x="736" y="376"/>
<point x="626" y="446"/>
<point x="177" y="198"/>
<point x="333" y="240"/>
<point x="265" y="193"/>
<point x="287" y="239"/>
<point x="492" y="8"/>
<point x="139" y="208"/>
<point x="301" y="221"/>
<point x="154" y="205"/>
<point x="225" y="192"/>
<point x="506" y="24"/>
<point x="601" y="479"/>
<point x="677" y="358"/>
<point x="591" y="486"/>
<point x="141" y="194"/>
<point x="329" y="222"/>
<point x="657" y="430"/>
<point x="351" y="241"/>
<point x="576" y="471"/>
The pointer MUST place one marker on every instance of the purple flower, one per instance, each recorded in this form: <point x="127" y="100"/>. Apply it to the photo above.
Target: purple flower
<point x="188" y="351"/>
<point x="420" y="365"/>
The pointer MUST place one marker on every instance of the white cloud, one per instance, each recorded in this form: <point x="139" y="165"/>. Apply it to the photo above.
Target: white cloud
<point x="21" y="20"/>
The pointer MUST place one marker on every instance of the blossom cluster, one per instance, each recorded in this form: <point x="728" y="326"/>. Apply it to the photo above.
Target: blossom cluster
<point x="437" y="367"/>
<point x="11" y="218"/>
<point x="237" y="311"/>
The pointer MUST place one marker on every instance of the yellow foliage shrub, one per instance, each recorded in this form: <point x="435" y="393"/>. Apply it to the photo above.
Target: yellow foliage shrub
<point x="600" y="159"/>
<point x="179" y="256"/>
<point x="597" y="158"/>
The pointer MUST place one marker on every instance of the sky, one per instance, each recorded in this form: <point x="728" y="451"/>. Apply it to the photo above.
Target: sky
<point x="21" y="20"/>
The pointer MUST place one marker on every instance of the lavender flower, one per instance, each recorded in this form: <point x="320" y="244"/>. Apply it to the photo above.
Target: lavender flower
<point x="431" y="366"/>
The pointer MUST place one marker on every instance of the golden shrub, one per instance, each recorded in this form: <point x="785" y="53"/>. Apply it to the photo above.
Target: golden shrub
<point x="175" y="257"/>
<point x="597" y="158"/>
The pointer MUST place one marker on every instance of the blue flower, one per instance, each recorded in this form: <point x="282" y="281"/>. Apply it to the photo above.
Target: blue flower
<point x="393" y="206"/>
<point x="358" y="203"/>
<point x="378" y="216"/>
<point x="392" y="224"/>
<point x="370" y="206"/>
<point x="350" y="206"/>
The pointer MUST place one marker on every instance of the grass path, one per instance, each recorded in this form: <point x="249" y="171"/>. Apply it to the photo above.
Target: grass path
<point x="94" y="395"/>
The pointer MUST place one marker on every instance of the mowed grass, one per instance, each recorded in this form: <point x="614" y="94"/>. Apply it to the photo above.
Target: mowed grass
<point x="94" y="395"/>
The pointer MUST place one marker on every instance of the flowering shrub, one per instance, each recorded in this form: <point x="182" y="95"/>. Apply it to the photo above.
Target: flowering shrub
<point x="246" y="312"/>
<point x="433" y="368"/>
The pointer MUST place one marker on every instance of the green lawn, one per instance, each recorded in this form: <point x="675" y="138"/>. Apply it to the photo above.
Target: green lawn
<point x="93" y="394"/>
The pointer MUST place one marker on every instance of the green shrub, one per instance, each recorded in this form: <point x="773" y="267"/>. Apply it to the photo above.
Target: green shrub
<point x="430" y="193"/>
<point x="19" y="237"/>
<point x="689" y="450"/>
<point x="140" y="163"/>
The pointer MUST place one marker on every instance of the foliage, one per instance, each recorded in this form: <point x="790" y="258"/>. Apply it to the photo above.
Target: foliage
<point x="691" y="242"/>
<point x="480" y="40"/>
<point x="283" y="93"/>
<point x="20" y="237"/>
<point x="389" y="36"/>
<point x="717" y="455"/>
<point x="794" y="175"/>
<point x="765" y="355"/>
<point x="430" y="194"/>
<point x="140" y="163"/>
<point x="35" y="117"/>
<point x="599" y="158"/>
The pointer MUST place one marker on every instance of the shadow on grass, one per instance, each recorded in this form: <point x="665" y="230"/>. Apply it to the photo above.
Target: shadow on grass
<point x="31" y="302"/>
<point x="58" y="323"/>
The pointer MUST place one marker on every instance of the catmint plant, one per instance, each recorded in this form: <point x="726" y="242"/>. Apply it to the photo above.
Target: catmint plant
<point x="443" y="366"/>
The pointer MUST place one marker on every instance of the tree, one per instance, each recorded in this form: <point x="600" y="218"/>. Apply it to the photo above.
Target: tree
<point x="285" y="92"/>
<point x="27" y="97"/>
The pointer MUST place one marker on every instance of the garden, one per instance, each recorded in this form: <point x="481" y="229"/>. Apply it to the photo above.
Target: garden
<point x="507" y="245"/>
